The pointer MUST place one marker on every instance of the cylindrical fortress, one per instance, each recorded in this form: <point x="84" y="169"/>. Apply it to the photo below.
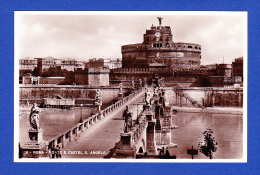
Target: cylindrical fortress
<point x="158" y="50"/>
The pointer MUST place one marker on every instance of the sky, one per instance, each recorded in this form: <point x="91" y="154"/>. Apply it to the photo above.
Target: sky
<point x="85" y="35"/>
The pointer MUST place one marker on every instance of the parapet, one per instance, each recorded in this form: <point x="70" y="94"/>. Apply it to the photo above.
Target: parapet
<point x="102" y="70"/>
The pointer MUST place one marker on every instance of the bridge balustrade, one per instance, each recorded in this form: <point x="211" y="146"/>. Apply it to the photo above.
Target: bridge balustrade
<point x="72" y="134"/>
<point x="138" y="129"/>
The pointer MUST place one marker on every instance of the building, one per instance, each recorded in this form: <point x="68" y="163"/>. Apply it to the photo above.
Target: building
<point x="209" y="66"/>
<point x="237" y="67"/>
<point x="107" y="62"/>
<point x="44" y="64"/>
<point x="29" y="79"/>
<point x="158" y="48"/>
<point x="112" y="64"/>
<point x="223" y="70"/>
<point x="92" y="77"/>
<point x="27" y="64"/>
<point x="98" y="77"/>
<point x="225" y="76"/>
<point x="72" y="64"/>
<point x="96" y="63"/>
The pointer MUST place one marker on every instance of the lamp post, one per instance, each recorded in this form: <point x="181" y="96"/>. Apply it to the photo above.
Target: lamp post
<point x="80" y="121"/>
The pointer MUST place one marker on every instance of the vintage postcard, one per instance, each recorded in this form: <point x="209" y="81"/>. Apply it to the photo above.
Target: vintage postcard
<point x="128" y="86"/>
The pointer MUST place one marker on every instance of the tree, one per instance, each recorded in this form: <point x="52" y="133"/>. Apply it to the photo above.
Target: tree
<point x="36" y="72"/>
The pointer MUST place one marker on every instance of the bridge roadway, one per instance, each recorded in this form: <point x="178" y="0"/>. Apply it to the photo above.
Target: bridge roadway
<point x="96" y="141"/>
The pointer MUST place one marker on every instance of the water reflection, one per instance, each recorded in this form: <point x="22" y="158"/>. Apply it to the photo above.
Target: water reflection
<point x="227" y="130"/>
<point x="52" y="121"/>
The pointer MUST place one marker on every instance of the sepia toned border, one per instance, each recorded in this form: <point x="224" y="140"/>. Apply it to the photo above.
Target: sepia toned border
<point x="16" y="86"/>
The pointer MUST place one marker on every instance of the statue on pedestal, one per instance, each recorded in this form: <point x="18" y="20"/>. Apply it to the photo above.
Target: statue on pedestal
<point x="155" y="91"/>
<point x="34" y="117"/>
<point x="140" y="83"/>
<point x="36" y="147"/>
<point x="162" y="97"/>
<point x="127" y="116"/>
<point x="98" y="98"/>
<point x="147" y="97"/>
<point x="120" y="88"/>
<point x="133" y="84"/>
<point x="145" y="81"/>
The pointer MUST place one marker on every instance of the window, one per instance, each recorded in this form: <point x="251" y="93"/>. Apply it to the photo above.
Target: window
<point x="190" y="47"/>
<point x="157" y="45"/>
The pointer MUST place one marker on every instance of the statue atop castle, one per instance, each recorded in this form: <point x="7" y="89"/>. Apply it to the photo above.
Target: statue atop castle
<point x="160" y="20"/>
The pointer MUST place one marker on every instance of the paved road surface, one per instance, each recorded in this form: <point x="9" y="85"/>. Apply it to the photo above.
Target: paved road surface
<point x="96" y="141"/>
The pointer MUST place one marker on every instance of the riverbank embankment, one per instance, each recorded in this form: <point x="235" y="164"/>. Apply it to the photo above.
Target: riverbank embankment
<point x="211" y="110"/>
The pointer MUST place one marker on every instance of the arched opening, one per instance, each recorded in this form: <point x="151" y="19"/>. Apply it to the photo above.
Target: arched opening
<point x="141" y="150"/>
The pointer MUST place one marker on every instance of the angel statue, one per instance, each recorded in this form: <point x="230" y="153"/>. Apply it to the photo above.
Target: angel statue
<point x="34" y="117"/>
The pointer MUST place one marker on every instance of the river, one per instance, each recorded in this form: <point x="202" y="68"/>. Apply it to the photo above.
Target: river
<point x="227" y="130"/>
<point x="52" y="121"/>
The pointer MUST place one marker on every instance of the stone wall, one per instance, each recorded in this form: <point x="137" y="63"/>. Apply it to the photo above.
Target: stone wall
<point x="98" y="79"/>
<point x="208" y="97"/>
<point x="37" y="92"/>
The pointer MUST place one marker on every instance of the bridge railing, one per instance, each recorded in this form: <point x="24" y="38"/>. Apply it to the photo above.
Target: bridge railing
<point x="138" y="130"/>
<point x="73" y="134"/>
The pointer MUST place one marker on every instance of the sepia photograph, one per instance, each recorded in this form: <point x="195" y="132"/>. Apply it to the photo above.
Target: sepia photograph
<point x="130" y="86"/>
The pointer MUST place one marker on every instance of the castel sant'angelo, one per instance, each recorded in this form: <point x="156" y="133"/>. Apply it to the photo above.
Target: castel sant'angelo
<point x="159" y="50"/>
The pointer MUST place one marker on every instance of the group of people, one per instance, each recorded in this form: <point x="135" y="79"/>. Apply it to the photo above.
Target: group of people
<point x="55" y="152"/>
<point x="164" y="154"/>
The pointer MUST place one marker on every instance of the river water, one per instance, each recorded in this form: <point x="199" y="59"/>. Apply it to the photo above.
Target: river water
<point x="52" y="121"/>
<point x="227" y="130"/>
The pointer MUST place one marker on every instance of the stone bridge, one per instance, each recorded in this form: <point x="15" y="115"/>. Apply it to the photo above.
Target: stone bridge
<point x="72" y="135"/>
<point x="140" y="140"/>
<point x="143" y="140"/>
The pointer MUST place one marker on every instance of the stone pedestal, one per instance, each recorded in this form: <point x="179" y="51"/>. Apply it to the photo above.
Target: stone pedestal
<point x="149" y="115"/>
<point x="36" y="147"/>
<point x="126" y="138"/>
<point x="120" y="96"/>
<point x="158" y="125"/>
<point x="35" y="135"/>
<point x="126" y="150"/>
<point x="147" y="107"/>
<point x="150" y="137"/>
